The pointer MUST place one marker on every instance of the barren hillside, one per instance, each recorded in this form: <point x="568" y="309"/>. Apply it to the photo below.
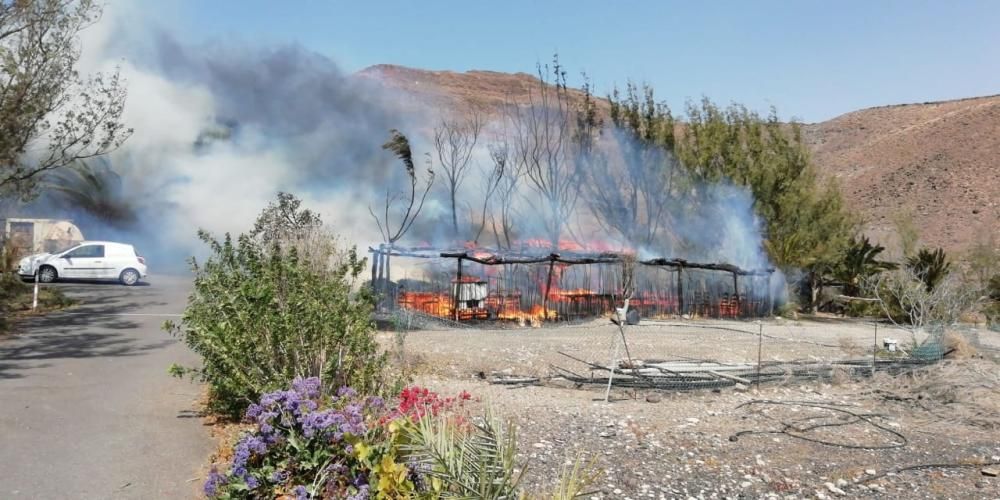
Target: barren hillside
<point x="939" y="162"/>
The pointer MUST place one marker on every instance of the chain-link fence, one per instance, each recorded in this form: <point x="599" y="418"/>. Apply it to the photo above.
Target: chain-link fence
<point x="680" y="354"/>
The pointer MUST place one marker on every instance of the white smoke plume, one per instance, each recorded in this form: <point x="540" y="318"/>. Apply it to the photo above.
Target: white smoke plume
<point x="221" y="127"/>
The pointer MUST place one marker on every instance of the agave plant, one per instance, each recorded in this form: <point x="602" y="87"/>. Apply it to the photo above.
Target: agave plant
<point x="930" y="267"/>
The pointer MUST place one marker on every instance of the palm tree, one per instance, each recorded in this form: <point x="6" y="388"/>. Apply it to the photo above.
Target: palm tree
<point x="859" y="262"/>
<point x="96" y="190"/>
<point x="930" y="267"/>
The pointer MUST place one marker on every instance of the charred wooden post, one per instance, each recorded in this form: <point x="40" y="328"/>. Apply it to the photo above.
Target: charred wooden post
<point x="770" y="299"/>
<point x="736" y="295"/>
<point x="680" y="290"/>
<point x="458" y="290"/>
<point x="548" y="286"/>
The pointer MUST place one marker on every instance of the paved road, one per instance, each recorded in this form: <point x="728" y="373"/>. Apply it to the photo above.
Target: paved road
<point x="87" y="409"/>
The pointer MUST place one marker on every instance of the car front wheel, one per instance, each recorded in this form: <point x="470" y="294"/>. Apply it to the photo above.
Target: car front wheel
<point x="129" y="277"/>
<point x="47" y="274"/>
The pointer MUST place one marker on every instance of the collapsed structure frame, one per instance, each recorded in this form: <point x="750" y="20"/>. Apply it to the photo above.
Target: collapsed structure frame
<point x="490" y="257"/>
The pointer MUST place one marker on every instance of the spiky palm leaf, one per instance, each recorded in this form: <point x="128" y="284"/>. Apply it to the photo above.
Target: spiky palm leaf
<point x="95" y="189"/>
<point x="471" y="464"/>
<point x="574" y="480"/>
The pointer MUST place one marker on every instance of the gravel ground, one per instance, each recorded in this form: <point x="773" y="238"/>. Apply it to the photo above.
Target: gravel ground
<point x="647" y="444"/>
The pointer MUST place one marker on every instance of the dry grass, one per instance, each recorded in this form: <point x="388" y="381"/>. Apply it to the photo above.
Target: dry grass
<point x="958" y="346"/>
<point x="850" y="346"/>
<point x="963" y="391"/>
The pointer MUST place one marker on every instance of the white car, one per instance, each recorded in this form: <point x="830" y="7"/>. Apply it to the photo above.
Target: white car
<point x="97" y="260"/>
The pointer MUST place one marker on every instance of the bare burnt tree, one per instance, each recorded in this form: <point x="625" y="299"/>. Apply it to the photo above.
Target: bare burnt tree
<point x="401" y="208"/>
<point x="544" y="148"/>
<point x="503" y="216"/>
<point x="628" y="189"/>
<point x="497" y="175"/>
<point x="50" y="116"/>
<point x="454" y="142"/>
<point x="630" y="182"/>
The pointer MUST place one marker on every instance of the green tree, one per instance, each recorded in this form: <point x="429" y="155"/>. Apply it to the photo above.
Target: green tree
<point x="50" y="116"/>
<point x="807" y="226"/>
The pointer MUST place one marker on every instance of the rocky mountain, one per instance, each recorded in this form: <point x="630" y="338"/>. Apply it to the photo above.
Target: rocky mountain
<point x="937" y="163"/>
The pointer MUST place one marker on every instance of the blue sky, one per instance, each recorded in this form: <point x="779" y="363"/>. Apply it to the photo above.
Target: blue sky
<point x="812" y="60"/>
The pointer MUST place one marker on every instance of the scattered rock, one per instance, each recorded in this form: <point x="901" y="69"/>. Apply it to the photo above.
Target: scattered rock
<point x="653" y="398"/>
<point x="834" y="489"/>
<point x="990" y="471"/>
<point x="870" y="472"/>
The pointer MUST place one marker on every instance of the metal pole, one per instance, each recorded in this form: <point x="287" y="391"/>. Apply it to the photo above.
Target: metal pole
<point x="34" y="300"/>
<point x="875" y="350"/>
<point x="611" y="368"/>
<point x="760" y="345"/>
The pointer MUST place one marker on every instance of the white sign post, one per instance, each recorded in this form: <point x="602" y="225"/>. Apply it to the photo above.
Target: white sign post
<point x="34" y="300"/>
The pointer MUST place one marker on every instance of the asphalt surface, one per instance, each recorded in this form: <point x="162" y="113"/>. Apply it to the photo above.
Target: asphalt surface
<point x="87" y="408"/>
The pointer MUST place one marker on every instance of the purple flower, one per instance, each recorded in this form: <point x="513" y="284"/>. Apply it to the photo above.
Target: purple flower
<point x="300" y="492"/>
<point x="253" y="411"/>
<point x="306" y="387"/>
<point x="346" y="392"/>
<point x="212" y="484"/>
<point x="376" y="402"/>
<point x="252" y="482"/>
<point x="256" y="445"/>
<point x="279" y="476"/>
<point x="362" y="493"/>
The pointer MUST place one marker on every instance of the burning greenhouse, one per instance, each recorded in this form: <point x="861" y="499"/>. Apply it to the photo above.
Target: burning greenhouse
<point x="531" y="286"/>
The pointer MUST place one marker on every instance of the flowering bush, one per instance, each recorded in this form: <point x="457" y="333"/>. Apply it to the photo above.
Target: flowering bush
<point x="417" y="402"/>
<point x="304" y="445"/>
<point x="301" y="447"/>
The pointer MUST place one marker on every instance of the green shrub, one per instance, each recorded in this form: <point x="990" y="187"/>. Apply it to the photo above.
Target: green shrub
<point x="992" y="308"/>
<point x="262" y="315"/>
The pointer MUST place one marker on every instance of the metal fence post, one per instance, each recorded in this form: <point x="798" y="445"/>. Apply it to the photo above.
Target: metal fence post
<point x="875" y="349"/>
<point x="760" y="346"/>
